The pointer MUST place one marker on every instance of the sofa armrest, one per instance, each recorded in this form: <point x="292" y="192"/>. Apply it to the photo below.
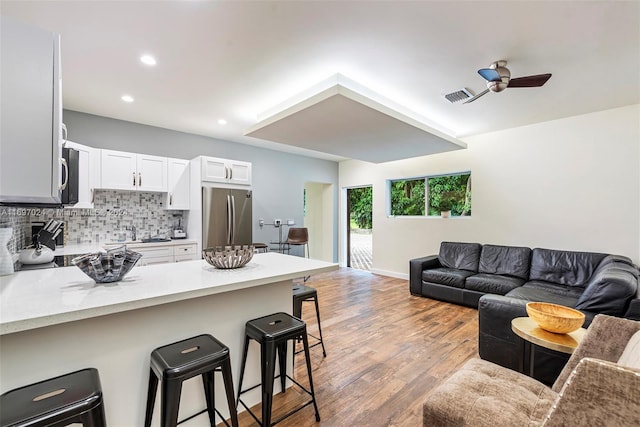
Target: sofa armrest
<point x="609" y="289"/>
<point x="633" y="312"/>
<point x="597" y="393"/>
<point x="495" y="313"/>
<point x="416" y="266"/>
<point x="606" y="339"/>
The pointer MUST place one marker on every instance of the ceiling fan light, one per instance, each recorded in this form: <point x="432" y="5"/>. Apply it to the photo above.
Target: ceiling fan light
<point x="497" y="86"/>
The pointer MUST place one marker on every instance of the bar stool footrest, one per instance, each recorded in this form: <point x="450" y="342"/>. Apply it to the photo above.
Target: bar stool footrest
<point x="288" y="414"/>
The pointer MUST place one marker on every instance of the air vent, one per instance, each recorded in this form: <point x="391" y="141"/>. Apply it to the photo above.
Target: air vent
<point x="459" y="95"/>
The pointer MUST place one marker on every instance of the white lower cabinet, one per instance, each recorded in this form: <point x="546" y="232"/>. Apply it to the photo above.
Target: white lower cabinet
<point x="157" y="253"/>
<point x="149" y="260"/>
<point x="153" y="254"/>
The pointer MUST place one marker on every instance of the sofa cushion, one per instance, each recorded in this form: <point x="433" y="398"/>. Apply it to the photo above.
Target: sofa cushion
<point x="505" y="260"/>
<point x="553" y="288"/>
<point x="463" y="256"/>
<point x="610" y="289"/>
<point x="487" y="395"/>
<point x="529" y="294"/>
<point x="446" y="276"/>
<point x="492" y="283"/>
<point x="563" y="267"/>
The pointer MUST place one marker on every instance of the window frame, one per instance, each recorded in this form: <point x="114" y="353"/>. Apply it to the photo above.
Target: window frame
<point x="426" y="178"/>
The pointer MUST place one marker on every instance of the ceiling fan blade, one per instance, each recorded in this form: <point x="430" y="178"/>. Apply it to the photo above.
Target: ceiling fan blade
<point x="529" y="81"/>
<point x="484" y="92"/>
<point x="489" y="74"/>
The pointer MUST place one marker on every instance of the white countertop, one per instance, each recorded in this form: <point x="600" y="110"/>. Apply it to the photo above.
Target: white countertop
<point x="38" y="298"/>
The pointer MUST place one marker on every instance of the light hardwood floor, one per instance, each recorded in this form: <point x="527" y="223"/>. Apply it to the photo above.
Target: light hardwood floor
<point x="385" y="349"/>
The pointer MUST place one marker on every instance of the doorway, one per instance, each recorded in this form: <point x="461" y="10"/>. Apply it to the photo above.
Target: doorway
<point x="318" y="219"/>
<point x="360" y="227"/>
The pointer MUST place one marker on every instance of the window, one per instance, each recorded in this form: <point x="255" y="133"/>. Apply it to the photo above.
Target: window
<point x="407" y="197"/>
<point x="431" y="194"/>
<point x="450" y="192"/>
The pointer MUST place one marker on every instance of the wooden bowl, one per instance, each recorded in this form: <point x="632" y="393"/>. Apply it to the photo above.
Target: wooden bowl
<point x="555" y="318"/>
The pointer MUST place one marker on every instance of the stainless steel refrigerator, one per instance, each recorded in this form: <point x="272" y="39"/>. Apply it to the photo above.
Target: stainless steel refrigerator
<point x="226" y="217"/>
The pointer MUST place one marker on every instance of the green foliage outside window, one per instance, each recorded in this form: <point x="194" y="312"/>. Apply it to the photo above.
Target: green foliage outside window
<point x="443" y="193"/>
<point x="407" y="197"/>
<point x="361" y="202"/>
<point x="451" y="192"/>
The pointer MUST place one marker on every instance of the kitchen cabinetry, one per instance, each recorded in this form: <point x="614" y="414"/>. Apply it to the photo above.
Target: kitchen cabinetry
<point x="154" y="255"/>
<point x="186" y="252"/>
<point x="162" y="253"/>
<point x="88" y="174"/>
<point x="225" y="171"/>
<point x="31" y="119"/>
<point x="129" y="171"/>
<point x="179" y="180"/>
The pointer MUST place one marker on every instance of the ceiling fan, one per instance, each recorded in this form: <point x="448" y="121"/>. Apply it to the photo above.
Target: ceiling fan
<point x="498" y="78"/>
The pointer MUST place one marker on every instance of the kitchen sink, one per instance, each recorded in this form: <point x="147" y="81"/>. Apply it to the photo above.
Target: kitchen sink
<point x="156" y="240"/>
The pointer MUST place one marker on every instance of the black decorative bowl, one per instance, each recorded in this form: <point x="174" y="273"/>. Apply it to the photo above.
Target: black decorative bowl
<point x="109" y="266"/>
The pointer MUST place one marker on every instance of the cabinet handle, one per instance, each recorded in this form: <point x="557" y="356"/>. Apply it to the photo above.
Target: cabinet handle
<point x="64" y="134"/>
<point x="134" y="179"/>
<point x="139" y="179"/>
<point x="170" y="199"/>
<point x="93" y="195"/>
<point x="66" y="174"/>
<point x="230" y="172"/>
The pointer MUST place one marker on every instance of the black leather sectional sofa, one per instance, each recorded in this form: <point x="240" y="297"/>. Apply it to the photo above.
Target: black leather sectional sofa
<point x="500" y="280"/>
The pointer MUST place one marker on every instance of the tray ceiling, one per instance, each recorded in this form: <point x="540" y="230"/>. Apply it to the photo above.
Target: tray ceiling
<point x="341" y="117"/>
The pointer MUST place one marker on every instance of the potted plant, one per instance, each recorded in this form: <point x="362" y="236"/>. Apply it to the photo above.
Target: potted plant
<point x="447" y="201"/>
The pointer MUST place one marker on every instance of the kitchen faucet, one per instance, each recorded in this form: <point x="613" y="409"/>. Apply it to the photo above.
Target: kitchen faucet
<point x="133" y="232"/>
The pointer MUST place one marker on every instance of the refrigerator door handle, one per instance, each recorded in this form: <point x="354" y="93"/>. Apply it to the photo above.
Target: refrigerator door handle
<point x="233" y="220"/>
<point x="229" y="219"/>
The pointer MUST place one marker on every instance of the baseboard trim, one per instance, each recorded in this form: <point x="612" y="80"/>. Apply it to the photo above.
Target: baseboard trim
<point x="394" y="274"/>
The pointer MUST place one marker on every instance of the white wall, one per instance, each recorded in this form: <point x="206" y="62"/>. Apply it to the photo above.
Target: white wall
<point x="566" y="184"/>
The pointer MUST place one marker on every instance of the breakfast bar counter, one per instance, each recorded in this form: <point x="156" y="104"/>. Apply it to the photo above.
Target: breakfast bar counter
<point x="58" y="320"/>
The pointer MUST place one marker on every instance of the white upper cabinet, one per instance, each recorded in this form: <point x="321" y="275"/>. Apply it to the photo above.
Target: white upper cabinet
<point x="118" y="170"/>
<point x="31" y="119"/>
<point x="152" y="173"/>
<point x="225" y="171"/>
<point x="179" y="177"/>
<point x="239" y="172"/>
<point x="129" y="171"/>
<point x="88" y="174"/>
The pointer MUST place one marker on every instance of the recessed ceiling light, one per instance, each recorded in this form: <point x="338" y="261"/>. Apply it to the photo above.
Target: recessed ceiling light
<point x="148" y="60"/>
<point x="222" y="122"/>
<point x="127" y="98"/>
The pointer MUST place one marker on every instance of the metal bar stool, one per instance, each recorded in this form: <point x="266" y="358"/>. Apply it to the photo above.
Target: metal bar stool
<point x="174" y="363"/>
<point x="302" y="293"/>
<point x="261" y="247"/>
<point x="273" y="332"/>
<point x="71" y="398"/>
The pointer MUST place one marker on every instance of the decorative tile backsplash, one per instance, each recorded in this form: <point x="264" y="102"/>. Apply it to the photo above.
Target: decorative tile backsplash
<point x="111" y="219"/>
<point x="21" y="229"/>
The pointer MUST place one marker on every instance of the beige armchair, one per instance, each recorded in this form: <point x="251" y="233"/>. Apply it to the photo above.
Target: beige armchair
<point x="592" y="390"/>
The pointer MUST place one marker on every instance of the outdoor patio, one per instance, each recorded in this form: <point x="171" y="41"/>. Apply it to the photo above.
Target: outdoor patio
<point x="361" y="250"/>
